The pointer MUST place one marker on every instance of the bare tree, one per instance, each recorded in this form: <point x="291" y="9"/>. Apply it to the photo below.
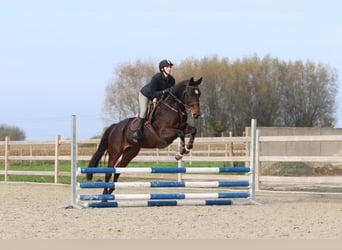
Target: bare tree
<point x="264" y="92"/>
<point x="214" y="72"/>
<point x="275" y="92"/>
<point x="309" y="93"/>
<point x="121" y="96"/>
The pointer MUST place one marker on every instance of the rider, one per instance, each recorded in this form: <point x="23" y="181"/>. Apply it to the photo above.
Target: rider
<point x="160" y="84"/>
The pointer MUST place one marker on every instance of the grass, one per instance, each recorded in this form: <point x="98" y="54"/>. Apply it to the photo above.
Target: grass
<point x="65" y="167"/>
<point x="36" y="166"/>
<point x="300" y="169"/>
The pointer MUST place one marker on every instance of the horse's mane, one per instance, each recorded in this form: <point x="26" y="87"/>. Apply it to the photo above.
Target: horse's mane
<point x="180" y="85"/>
<point x="184" y="82"/>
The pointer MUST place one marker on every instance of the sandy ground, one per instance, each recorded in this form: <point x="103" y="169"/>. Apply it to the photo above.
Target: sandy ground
<point x="35" y="211"/>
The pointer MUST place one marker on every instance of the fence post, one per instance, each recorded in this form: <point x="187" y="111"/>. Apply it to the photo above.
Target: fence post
<point x="231" y="148"/>
<point x="31" y="153"/>
<point x="57" y="164"/>
<point x="180" y="161"/>
<point x="247" y="146"/>
<point x="7" y="152"/>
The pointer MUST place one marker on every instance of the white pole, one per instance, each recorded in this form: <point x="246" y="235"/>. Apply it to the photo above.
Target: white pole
<point x="7" y="153"/>
<point x="73" y="159"/>
<point x="73" y="165"/>
<point x="252" y="158"/>
<point x="253" y="162"/>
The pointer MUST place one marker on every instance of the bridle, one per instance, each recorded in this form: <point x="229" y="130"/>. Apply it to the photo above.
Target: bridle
<point x="187" y="92"/>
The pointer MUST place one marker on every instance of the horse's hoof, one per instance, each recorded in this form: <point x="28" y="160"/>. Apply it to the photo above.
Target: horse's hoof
<point x="178" y="156"/>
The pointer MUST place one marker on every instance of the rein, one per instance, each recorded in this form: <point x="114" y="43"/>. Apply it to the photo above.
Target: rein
<point x="180" y="101"/>
<point x="187" y="92"/>
<point x="169" y="106"/>
<point x="177" y="100"/>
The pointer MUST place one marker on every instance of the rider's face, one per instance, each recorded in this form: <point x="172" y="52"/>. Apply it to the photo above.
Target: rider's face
<point x="167" y="70"/>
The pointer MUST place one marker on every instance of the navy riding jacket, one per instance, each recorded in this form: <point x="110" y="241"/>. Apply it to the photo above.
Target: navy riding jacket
<point x="155" y="88"/>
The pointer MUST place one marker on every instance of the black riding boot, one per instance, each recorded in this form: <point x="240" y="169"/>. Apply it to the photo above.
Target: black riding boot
<point x="137" y="134"/>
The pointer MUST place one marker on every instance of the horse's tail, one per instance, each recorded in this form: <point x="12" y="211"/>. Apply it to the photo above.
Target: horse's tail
<point x="102" y="148"/>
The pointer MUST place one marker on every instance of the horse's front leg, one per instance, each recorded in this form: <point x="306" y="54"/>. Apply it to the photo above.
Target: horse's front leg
<point x="181" y="135"/>
<point x="192" y="131"/>
<point x="181" y="148"/>
<point x="184" y="149"/>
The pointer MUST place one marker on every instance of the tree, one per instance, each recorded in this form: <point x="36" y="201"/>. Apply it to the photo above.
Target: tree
<point x="308" y="95"/>
<point x="275" y="92"/>
<point x="214" y="71"/>
<point x="260" y="92"/>
<point x="121" y="94"/>
<point x="15" y="133"/>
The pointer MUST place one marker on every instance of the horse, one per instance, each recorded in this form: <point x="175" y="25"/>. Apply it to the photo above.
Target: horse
<point x="165" y="122"/>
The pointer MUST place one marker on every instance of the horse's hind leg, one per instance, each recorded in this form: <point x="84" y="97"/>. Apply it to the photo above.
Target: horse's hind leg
<point x="126" y="158"/>
<point x="111" y="163"/>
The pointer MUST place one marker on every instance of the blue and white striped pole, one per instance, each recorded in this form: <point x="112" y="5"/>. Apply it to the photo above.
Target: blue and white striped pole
<point x="158" y="203"/>
<point x="161" y="184"/>
<point x="164" y="170"/>
<point x="162" y="196"/>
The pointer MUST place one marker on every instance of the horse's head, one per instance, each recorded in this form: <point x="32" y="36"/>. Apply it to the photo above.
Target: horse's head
<point x="188" y="93"/>
<point x="191" y="96"/>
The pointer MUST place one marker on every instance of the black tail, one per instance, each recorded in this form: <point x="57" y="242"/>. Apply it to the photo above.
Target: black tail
<point x="94" y="161"/>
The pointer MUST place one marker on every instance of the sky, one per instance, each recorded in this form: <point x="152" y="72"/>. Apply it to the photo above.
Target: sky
<point x="57" y="57"/>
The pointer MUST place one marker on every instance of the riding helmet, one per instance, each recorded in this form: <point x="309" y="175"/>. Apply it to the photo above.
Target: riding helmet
<point x="165" y="63"/>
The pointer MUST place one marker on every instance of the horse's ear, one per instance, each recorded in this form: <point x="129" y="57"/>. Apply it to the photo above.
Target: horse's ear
<point x="198" y="82"/>
<point x="193" y="82"/>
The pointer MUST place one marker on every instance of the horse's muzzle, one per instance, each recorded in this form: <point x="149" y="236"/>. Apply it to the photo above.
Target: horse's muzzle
<point x="196" y="115"/>
<point x="195" y="111"/>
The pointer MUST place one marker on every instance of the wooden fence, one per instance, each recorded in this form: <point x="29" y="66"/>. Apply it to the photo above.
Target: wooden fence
<point x="303" y="182"/>
<point x="209" y="149"/>
<point x="215" y="149"/>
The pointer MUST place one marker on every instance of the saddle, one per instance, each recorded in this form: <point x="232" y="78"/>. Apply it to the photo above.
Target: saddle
<point x="150" y="111"/>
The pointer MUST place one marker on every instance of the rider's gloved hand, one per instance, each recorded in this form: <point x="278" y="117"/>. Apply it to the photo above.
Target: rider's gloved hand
<point x="166" y="91"/>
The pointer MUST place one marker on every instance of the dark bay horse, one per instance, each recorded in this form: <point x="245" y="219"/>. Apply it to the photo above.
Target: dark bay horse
<point x="167" y="122"/>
